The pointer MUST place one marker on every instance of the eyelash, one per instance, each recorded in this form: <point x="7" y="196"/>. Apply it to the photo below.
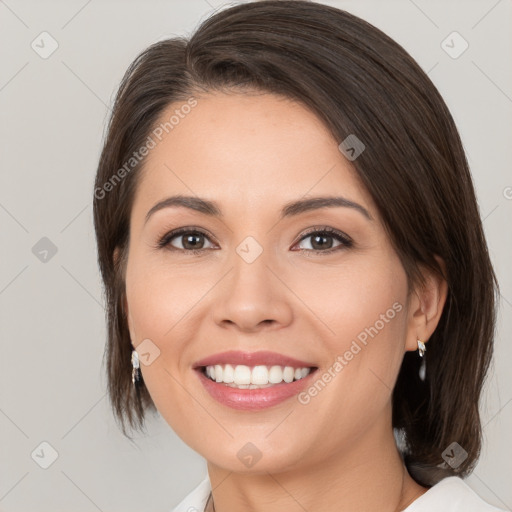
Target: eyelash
<point x="346" y="241"/>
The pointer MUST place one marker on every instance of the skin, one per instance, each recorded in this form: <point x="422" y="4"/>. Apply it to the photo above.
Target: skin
<point x="252" y="153"/>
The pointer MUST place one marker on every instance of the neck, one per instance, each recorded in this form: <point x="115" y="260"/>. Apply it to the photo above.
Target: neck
<point x="369" y="476"/>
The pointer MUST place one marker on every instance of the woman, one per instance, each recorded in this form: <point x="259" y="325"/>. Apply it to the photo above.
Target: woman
<point x="295" y="266"/>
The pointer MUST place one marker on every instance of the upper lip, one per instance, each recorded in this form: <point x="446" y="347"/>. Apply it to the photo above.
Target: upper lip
<point x="263" y="357"/>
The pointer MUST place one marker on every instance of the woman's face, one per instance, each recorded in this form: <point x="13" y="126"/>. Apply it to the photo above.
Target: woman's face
<point x="261" y="281"/>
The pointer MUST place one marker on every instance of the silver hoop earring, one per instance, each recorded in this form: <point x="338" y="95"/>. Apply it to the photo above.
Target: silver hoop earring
<point x="423" y="368"/>
<point x="135" y="367"/>
<point x="421" y="348"/>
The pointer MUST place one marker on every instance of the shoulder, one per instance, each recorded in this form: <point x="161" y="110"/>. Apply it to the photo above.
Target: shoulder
<point x="195" y="501"/>
<point x="451" y="494"/>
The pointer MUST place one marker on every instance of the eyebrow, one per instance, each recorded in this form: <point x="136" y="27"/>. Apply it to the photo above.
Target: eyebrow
<point x="289" y="209"/>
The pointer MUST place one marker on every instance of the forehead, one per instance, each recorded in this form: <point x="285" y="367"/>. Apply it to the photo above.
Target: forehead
<point x="248" y="150"/>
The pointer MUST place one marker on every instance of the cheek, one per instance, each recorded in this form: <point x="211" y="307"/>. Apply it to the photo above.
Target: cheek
<point x="158" y="303"/>
<point x="362" y="309"/>
<point x="363" y="316"/>
<point x="145" y="294"/>
<point x="354" y="299"/>
<point x="163" y="303"/>
<point x="157" y="297"/>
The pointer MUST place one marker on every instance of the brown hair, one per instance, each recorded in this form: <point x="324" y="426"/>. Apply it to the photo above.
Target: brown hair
<point x="358" y="81"/>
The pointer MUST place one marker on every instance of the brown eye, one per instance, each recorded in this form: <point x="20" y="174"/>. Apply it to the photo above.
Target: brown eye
<point x="325" y="240"/>
<point x="192" y="241"/>
<point x="186" y="240"/>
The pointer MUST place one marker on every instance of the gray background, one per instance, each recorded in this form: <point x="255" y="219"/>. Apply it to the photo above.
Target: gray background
<point x="52" y="387"/>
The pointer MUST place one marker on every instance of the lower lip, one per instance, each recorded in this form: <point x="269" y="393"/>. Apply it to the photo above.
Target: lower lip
<point x="253" y="399"/>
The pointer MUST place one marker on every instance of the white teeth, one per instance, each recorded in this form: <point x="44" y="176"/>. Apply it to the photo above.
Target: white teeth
<point x="229" y="374"/>
<point x="245" y="377"/>
<point x="288" y="374"/>
<point x="242" y="375"/>
<point x="275" y="375"/>
<point x="259" y="375"/>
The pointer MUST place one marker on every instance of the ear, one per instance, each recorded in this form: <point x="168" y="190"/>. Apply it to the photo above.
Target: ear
<point x="426" y="305"/>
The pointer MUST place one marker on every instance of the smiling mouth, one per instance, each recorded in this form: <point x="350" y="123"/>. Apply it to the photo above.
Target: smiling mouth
<point x="254" y="377"/>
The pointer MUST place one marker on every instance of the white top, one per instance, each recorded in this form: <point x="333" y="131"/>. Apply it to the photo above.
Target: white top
<point x="451" y="494"/>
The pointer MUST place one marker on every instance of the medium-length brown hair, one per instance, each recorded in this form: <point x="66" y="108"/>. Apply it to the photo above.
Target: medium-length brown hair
<point x="358" y="81"/>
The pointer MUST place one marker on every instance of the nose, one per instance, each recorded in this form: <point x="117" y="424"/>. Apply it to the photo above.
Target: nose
<point x="251" y="298"/>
